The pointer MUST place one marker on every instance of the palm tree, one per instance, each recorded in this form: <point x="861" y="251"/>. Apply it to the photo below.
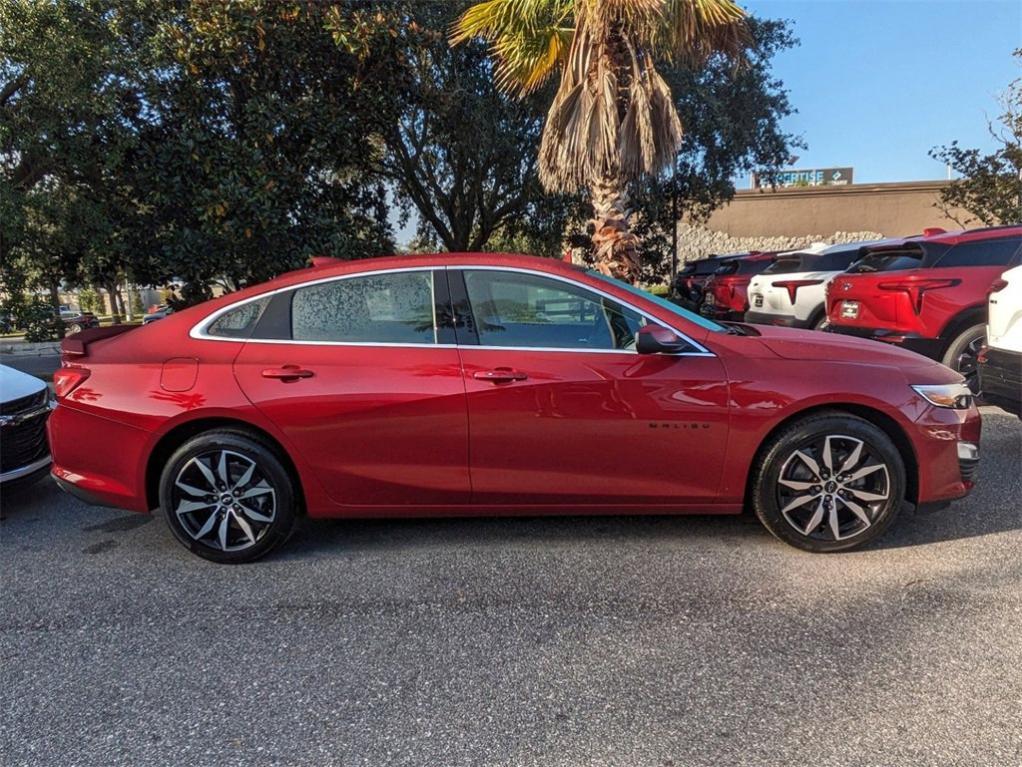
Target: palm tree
<point x="612" y="119"/>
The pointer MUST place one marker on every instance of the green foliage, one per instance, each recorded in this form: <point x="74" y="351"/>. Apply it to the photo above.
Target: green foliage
<point x="89" y="300"/>
<point x="200" y="141"/>
<point x="463" y="153"/>
<point x="991" y="185"/>
<point x="197" y="143"/>
<point x="39" y="321"/>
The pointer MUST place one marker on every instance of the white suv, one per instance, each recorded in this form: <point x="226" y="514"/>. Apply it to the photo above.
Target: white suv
<point x="1000" y="364"/>
<point x="792" y="290"/>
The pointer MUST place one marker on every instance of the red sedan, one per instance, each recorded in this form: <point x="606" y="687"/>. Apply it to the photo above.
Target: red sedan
<point x="496" y="384"/>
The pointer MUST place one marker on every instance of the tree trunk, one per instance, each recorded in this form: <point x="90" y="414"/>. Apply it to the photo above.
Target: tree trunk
<point x="616" y="246"/>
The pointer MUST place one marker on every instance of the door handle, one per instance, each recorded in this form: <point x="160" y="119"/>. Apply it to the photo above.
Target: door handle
<point x="499" y="375"/>
<point x="287" y="373"/>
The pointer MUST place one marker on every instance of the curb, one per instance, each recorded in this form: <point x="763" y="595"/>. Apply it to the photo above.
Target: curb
<point x="24" y="349"/>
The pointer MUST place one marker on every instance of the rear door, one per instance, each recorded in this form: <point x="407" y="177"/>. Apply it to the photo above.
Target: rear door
<point x="366" y="383"/>
<point x="563" y="410"/>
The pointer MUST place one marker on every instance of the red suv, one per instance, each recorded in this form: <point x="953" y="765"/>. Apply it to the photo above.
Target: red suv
<point x="931" y="297"/>
<point x="727" y="291"/>
<point x="690" y="283"/>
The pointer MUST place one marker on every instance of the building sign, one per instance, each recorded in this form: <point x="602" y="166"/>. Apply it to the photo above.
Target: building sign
<point x="812" y="177"/>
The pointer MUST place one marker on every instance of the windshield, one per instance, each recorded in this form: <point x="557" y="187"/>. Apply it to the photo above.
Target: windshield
<point x="662" y="302"/>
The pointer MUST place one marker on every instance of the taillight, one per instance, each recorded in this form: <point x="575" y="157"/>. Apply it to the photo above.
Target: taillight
<point x="916" y="288"/>
<point x="67" y="379"/>
<point x="997" y="286"/>
<point x="792" y="286"/>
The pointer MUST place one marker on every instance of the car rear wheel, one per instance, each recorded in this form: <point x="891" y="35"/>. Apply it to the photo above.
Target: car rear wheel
<point x="963" y="351"/>
<point x="227" y="497"/>
<point x="829" y="482"/>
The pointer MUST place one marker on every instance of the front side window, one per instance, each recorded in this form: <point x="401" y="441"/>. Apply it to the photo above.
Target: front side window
<point x="513" y="309"/>
<point x="395" y="308"/>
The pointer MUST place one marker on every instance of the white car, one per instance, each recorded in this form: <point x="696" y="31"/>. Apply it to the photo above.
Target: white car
<point x="1000" y="364"/>
<point x="25" y="404"/>
<point x="792" y="290"/>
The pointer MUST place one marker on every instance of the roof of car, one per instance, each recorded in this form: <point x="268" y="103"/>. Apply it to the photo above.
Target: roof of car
<point x="951" y="238"/>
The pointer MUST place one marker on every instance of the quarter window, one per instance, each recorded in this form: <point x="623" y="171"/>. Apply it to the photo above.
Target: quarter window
<point x="395" y="307"/>
<point x="240" y="321"/>
<point x="524" y="310"/>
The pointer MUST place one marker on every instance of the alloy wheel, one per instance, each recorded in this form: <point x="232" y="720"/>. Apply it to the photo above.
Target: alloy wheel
<point x="833" y="488"/>
<point x="223" y="500"/>
<point x="965" y="362"/>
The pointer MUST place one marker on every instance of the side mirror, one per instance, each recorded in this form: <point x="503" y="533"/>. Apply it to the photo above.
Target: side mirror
<point x="656" y="339"/>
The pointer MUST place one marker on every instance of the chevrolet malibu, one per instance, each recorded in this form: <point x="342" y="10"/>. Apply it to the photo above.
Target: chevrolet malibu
<point x="464" y="384"/>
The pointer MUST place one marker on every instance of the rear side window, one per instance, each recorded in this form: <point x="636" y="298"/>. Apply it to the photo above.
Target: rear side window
<point x="834" y="262"/>
<point x="887" y="261"/>
<point x="981" y="253"/>
<point x="240" y="321"/>
<point x="785" y="265"/>
<point x="753" y="266"/>
<point x="381" y="308"/>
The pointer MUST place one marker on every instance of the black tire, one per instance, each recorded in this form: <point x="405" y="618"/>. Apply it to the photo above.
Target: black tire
<point x="960" y="354"/>
<point x="253" y="527"/>
<point x="73" y="328"/>
<point x="818" y="321"/>
<point x="772" y="495"/>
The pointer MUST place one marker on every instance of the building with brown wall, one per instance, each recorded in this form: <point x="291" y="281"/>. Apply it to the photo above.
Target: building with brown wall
<point x="893" y="210"/>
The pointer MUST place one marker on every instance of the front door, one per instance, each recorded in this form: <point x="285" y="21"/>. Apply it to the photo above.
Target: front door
<point x="366" y="387"/>
<point x="563" y="410"/>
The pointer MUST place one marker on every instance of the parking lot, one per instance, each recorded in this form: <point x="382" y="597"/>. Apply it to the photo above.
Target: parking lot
<point x="567" y="641"/>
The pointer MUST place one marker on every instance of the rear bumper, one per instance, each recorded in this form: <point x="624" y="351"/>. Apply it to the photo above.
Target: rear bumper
<point x="928" y="347"/>
<point x="777" y="320"/>
<point x="114" y="476"/>
<point x="722" y="313"/>
<point x="1000" y="379"/>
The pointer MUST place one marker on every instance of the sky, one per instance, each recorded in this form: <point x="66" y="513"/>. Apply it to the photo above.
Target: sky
<point x="878" y="83"/>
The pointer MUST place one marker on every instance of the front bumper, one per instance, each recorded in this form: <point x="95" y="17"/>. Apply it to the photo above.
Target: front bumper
<point x="27" y="474"/>
<point x="928" y="347"/>
<point x="777" y="320"/>
<point x="946" y="446"/>
<point x="1000" y="379"/>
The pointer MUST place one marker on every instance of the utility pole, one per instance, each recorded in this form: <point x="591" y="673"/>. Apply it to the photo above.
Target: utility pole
<point x="674" y="230"/>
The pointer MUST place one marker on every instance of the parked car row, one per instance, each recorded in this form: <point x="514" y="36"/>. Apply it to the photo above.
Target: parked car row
<point x="927" y="293"/>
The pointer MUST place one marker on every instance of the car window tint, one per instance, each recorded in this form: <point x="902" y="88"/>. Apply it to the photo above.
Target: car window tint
<point x="753" y="265"/>
<point x="240" y="321"/>
<point x="381" y="308"/>
<point x="785" y="265"/>
<point x="837" y="261"/>
<point x="981" y="253"/>
<point x="525" y="310"/>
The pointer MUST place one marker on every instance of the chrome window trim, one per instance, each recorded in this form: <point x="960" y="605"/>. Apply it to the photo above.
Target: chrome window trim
<point x="198" y="331"/>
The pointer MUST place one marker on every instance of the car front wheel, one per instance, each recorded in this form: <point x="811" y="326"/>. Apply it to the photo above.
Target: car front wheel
<point x="829" y="482"/>
<point x="227" y="497"/>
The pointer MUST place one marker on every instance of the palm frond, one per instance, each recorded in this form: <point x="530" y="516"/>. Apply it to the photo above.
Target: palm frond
<point x="529" y="38"/>
<point x="693" y="30"/>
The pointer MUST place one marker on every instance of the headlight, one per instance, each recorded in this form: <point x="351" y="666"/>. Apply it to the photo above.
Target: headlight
<point x="955" y="396"/>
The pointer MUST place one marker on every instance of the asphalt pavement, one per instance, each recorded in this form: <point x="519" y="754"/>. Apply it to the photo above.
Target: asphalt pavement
<point x="640" y="642"/>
